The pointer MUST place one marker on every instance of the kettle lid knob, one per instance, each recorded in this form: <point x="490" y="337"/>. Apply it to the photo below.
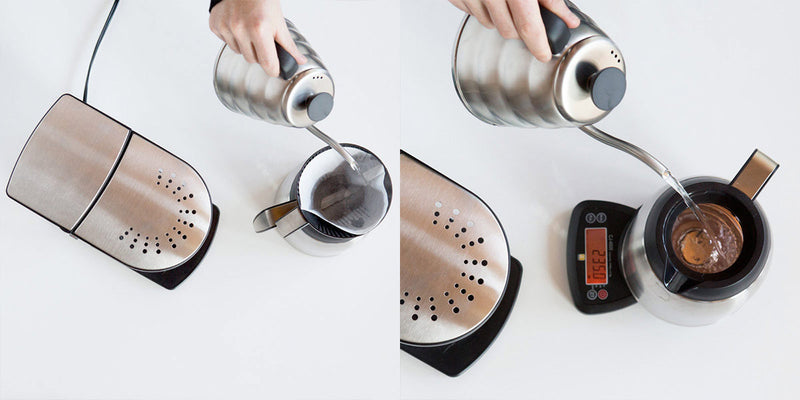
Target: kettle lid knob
<point x="318" y="106"/>
<point x="607" y="87"/>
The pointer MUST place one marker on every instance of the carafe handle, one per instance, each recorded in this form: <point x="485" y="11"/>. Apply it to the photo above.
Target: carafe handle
<point x="754" y="174"/>
<point x="268" y="218"/>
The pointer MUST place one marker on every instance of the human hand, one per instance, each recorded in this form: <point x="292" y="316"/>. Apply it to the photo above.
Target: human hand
<point x="519" y="19"/>
<point x="251" y="28"/>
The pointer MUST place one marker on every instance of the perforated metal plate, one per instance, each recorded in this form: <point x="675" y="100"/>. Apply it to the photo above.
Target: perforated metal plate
<point x="155" y="212"/>
<point x="454" y="257"/>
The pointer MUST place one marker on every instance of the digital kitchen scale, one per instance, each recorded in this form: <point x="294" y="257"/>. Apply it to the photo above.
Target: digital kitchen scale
<point x="594" y="269"/>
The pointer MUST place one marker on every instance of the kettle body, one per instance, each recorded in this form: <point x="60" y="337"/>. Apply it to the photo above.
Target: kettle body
<point x="500" y="82"/>
<point x="301" y="96"/>
<point x="663" y="285"/>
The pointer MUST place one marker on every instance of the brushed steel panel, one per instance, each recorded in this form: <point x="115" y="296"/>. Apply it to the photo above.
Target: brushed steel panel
<point x="454" y="257"/>
<point x="66" y="160"/>
<point x="155" y="212"/>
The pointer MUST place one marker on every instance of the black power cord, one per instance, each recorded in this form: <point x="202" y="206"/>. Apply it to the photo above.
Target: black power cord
<point x="97" y="46"/>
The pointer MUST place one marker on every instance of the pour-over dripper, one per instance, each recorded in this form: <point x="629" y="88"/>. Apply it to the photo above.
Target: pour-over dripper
<point x="325" y="205"/>
<point x="353" y="201"/>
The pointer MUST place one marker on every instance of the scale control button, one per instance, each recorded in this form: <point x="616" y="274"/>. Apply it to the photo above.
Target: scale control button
<point x="590" y="218"/>
<point x="602" y="294"/>
<point x="601" y="217"/>
<point x="591" y="294"/>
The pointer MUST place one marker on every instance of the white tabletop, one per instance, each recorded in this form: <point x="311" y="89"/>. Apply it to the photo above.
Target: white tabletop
<point x="707" y="83"/>
<point x="257" y="319"/>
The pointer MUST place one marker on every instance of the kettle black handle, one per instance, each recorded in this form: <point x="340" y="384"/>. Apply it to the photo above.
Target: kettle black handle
<point x="557" y="30"/>
<point x="288" y="65"/>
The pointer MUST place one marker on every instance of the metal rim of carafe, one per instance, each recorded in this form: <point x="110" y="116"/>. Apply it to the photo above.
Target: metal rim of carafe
<point x="756" y="239"/>
<point x="324" y="228"/>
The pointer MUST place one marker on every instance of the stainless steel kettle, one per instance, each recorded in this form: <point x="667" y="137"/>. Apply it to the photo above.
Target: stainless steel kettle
<point x="501" y="83"/>
<point x="300" y="96"/>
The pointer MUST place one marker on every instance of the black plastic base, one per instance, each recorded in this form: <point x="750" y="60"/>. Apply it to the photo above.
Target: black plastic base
<point x="170" y="279"/>
<point x="453" y="358"/>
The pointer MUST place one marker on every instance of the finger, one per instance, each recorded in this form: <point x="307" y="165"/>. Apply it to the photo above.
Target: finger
<point x="213" y="24"/>
<point x="559" y="7"/>
<point x="477" y="10"/>
<point x="530" y="28"/>
<point x="460" y="5"/>
<point x="246" y="46"/>
<point x="267" y="54"/>
<point x="284" y="38"/>
<point x="219" y="35"/>
<point x="241" y="35"/>
<point x="501" y="18"/>
<point x="227" y="36"/>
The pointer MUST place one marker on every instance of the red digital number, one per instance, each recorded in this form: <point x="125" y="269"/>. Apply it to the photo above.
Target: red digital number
<point x="596" y="262"/>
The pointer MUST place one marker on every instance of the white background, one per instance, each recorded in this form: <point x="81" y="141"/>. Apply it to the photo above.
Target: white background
<point x="707" y="83"/>
<point x="257" y="319"/>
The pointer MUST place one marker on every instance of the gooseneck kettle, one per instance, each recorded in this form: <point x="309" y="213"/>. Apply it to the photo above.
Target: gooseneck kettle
<point x="501" y="83"/>
<point x="300" y="96"/>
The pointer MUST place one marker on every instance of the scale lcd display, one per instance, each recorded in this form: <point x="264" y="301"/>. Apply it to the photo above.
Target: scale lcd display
<point x="596" y="262"/>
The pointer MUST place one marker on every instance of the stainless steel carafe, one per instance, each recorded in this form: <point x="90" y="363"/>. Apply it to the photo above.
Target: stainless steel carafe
<point x="663" y="284"/>
<point x="325" y="180"/>
<point x="300" y="96"/>
<point x="501" y="83"/>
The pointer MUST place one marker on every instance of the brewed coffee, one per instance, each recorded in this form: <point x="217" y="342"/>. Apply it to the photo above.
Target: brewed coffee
<point x="692" y="245"/>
